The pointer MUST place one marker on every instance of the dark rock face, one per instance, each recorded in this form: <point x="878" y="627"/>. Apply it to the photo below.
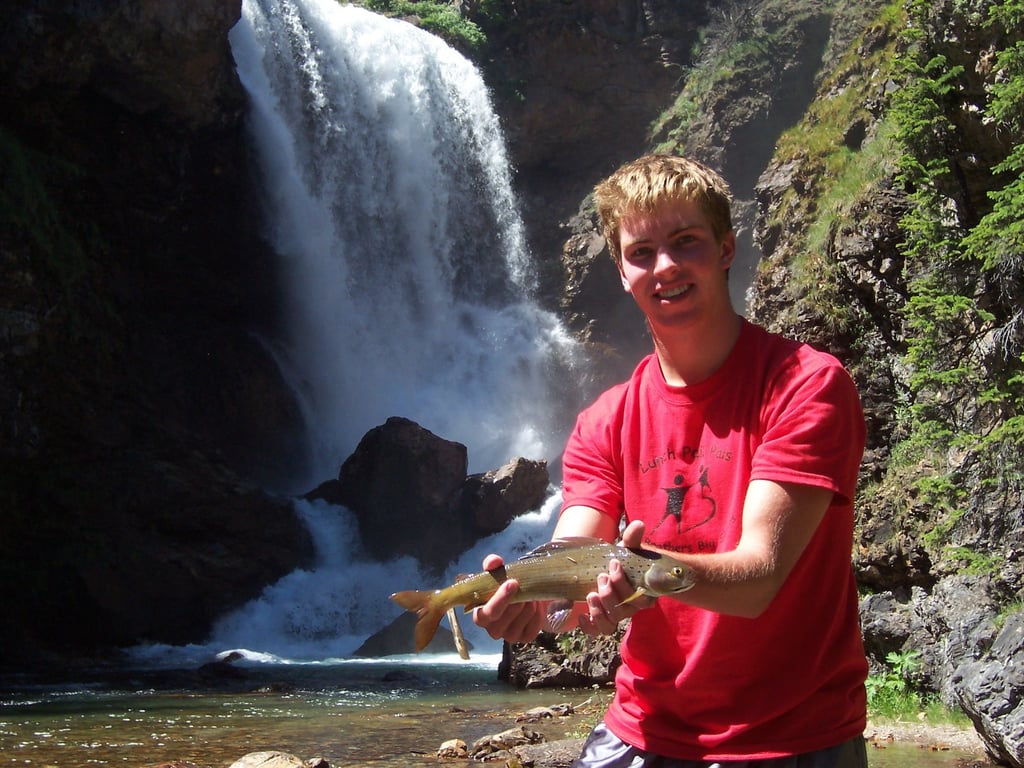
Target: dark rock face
<point x="577" y="85"/>
<point x="137" y="404"/>
<point x="569" y="661"/>
<point x="143" y="56"/>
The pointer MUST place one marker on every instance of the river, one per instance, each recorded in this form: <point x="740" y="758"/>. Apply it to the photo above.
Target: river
<point x="352" y="713"/>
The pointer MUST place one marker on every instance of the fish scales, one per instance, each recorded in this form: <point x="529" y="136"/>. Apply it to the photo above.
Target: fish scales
<point x="564" y="570"/>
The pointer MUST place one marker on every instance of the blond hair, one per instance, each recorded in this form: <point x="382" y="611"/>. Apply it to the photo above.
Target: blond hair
<point x="644" y="185"/>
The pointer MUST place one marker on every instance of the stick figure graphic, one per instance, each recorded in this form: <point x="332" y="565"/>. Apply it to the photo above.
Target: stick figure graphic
<point x="676" y="496"/>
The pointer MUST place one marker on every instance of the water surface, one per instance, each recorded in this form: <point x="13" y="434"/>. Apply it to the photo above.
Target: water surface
<point x="382" y="714"/>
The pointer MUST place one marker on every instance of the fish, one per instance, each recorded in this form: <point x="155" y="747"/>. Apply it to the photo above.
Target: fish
<point x="562" y="571"/>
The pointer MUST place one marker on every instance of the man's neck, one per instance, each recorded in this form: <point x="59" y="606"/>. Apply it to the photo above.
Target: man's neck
<point x="690" y="358"/>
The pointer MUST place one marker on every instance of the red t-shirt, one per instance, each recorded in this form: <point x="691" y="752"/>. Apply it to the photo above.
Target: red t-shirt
<point x="699" y="685"/>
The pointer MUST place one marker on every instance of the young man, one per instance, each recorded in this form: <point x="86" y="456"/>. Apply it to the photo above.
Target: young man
<point x="737" y="452"/>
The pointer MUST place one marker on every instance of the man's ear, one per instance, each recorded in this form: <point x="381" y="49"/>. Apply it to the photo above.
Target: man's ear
<point x="625" y="282"/>
<point x="728" y="247"/>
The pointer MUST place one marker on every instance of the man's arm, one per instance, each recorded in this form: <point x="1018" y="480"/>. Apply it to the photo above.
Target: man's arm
<point x="779" y="520"/>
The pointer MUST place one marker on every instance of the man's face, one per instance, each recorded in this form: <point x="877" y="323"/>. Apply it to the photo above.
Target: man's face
<point x="674" y="266"/>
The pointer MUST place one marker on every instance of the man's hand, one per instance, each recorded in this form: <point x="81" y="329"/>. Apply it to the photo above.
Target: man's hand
<point x="607" y="607"/>
<point x="503" y="619"/>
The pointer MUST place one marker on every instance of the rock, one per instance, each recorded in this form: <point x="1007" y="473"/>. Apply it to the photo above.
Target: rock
<point x="269" y="759"/>
<point x="401" y="475"/>
<point x="138" y="410"/>
<point x="397" y="638"/>
<point x="488" y="502"/>
<point x="453" y="749"/>
<point x="506" y="741"/>
<point x="146" y="56"/>
<point x="991" y="692"/>
<point x="551" y="754"/>
<point x="571" y="660"/>
<point x="274" y="759"/>
<point x="537" y="714"/>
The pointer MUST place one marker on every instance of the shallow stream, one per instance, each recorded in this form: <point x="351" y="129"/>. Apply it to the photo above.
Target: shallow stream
<point x="351" y="713"/>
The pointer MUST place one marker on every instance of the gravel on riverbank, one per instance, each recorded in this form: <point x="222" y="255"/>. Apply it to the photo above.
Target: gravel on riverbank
<point x="929" y="736"/>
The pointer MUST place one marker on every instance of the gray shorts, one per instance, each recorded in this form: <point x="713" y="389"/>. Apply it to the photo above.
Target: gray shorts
<point x="603" y="749"/>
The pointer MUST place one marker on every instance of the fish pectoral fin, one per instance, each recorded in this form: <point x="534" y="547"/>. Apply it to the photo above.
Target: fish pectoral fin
<point x="460" y="639"/>
<point x="558" y="613"/>
<point x="639" y="593"/>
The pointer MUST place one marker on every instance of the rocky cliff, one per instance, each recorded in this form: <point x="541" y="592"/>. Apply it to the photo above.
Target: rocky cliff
<point x="882" y="218"/>
<point x="139" y="416"/>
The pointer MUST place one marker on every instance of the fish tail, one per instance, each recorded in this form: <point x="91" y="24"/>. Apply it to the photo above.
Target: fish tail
<point x="428" y="611"/>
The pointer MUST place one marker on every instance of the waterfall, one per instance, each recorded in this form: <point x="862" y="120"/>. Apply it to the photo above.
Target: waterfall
<point x="409" y="286"/>
<point x="389" y="196"/>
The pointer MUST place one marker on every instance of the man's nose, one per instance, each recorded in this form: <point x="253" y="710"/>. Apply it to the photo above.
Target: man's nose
<point x="665" y="260"/>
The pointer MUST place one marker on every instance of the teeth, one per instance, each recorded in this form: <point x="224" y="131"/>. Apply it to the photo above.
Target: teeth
<point x="671" y="292"/>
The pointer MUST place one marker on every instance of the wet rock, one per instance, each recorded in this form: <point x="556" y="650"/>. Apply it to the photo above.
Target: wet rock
<point x="570" y="660"/>
<point x="453" y="749"/>
<point x="401" y="475"/>
<point x="269" y="759"/>
<point x="506" y="741"/>
<point x="397" y="638"/>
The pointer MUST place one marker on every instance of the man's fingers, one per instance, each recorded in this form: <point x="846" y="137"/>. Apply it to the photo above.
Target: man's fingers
<point x="633" y="534"/>
<point x="503" y="619"/>
<point x="597" y="620"/>
<point x="493" y="562"/>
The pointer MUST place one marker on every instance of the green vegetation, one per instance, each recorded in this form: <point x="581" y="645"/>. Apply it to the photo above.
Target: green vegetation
<point x="445" y="21"/>
<point x="818" y="145"/>
<point x="739" y="47"/>
<point x="964" y="265"/>
<point x="1008" y="610"/>
<point x="572" y="643"/>
<point x="892" y="695"/>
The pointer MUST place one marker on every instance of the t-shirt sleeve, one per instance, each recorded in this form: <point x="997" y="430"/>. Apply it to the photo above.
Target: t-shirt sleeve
<point x="592" y="462"/>
<point x="814" y="430"/>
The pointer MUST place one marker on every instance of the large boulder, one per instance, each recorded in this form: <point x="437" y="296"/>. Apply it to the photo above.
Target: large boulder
<point x="411" y="496"/>
<point x="398" y="638"/>
<point x="572" y="660"/>
<point x="991" y="692"/>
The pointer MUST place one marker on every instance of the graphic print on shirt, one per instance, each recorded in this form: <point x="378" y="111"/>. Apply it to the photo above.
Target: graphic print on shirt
<point x="685" y="510"/>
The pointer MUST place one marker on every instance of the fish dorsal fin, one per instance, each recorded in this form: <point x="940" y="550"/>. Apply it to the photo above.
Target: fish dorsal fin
<point x="559" y="545"/>
<point x="576" y="542"/>
<point x="647" y="553"/>
<point x="569" y="542"/>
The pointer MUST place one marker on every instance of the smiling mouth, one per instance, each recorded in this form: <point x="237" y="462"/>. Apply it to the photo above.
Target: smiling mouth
<point x="671" y="293"/>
